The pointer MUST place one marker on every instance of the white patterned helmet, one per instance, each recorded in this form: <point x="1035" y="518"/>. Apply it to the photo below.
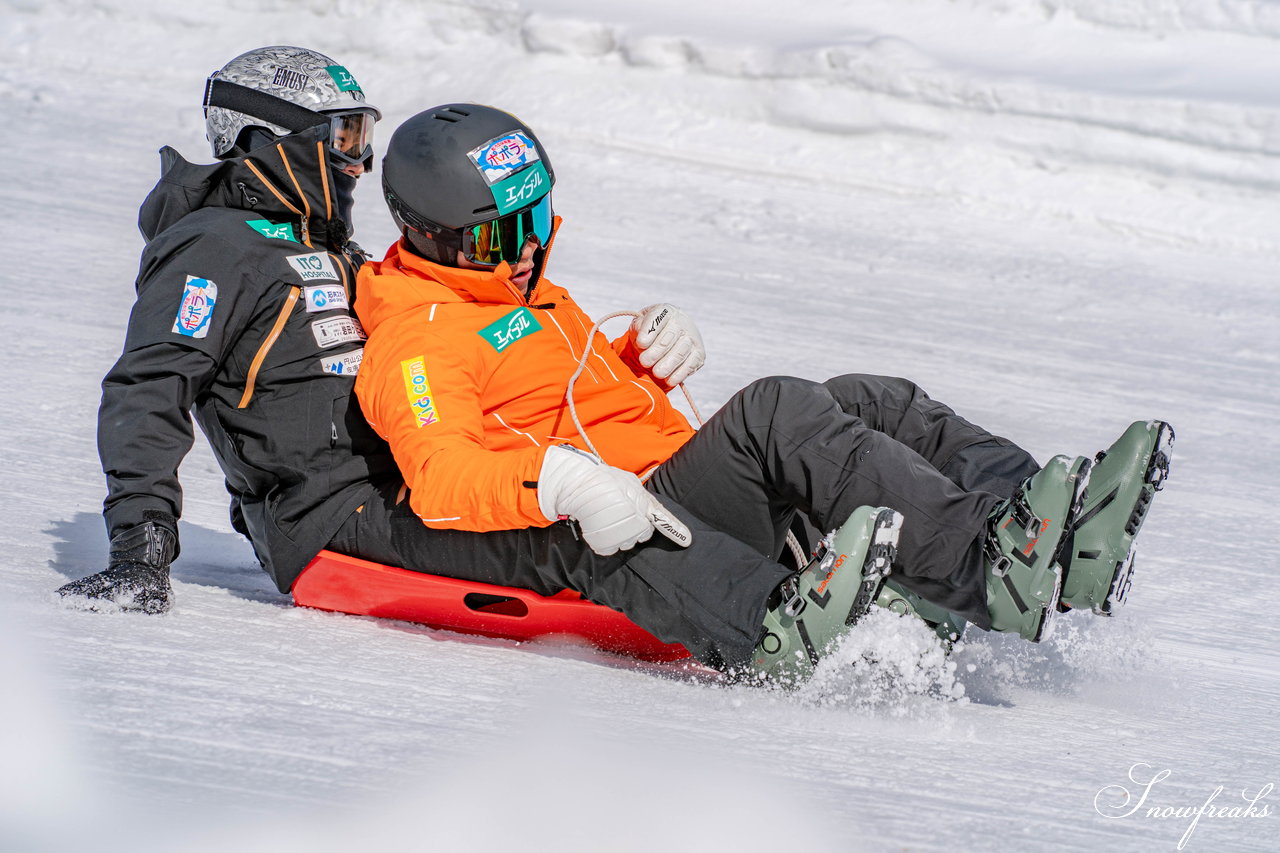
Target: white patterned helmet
<point x="289" y="75"/>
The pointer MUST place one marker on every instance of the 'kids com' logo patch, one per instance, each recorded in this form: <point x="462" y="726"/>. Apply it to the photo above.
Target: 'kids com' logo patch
<point x="421" y="400"/>
<point x="503" y="155"/>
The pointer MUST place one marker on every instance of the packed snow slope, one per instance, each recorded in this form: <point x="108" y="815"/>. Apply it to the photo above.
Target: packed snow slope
<point x="1058" y="216"/>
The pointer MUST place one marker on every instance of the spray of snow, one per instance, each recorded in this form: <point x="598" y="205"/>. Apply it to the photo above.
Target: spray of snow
<point x="895" y="667"/>
<point x="887" y="664"/>
<point x="1083" y="651"/>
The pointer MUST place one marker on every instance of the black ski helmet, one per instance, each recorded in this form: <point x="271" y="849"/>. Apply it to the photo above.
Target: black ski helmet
<point x="459" y="165"/>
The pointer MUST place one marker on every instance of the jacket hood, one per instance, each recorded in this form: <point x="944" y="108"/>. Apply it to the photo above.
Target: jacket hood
<point x="290" y="180"/>
<point x="404" y="281"/>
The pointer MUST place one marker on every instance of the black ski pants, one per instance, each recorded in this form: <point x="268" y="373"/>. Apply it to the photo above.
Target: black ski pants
<point x="780" y="446"/>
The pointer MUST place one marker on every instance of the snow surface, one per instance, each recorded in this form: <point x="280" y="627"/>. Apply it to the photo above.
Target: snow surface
<point x="1058" y="216"/>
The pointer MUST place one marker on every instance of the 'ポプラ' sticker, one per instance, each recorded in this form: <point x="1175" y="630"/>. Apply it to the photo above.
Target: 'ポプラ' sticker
<point x="503" y="155"/>
<point x="196" y="309"/>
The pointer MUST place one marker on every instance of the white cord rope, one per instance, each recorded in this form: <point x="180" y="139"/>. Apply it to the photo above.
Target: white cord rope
<point x="792" y="542"/>
<point x="582" y="365"/>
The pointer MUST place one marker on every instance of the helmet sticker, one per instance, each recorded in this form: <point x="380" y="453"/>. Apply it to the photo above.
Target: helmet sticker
<point x="504" y="155"/>
<point x="196" y="309"/>
<point x="341" y="76"/>
<point x="521" y="189"/>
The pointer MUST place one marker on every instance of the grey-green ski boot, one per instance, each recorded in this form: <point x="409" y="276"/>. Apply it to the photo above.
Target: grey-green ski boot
<point x="897" y="598"/>
<point x="1099" y="557"/>
<point x="833" y="591"/>
<point x="1024" y="540"/>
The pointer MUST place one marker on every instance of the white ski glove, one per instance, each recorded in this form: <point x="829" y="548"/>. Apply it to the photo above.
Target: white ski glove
<point x="611" y="506"/>
<point x="669" y="344"/>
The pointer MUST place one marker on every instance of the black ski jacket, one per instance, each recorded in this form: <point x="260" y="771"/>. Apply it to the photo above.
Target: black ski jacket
<point x="243" y="314"/>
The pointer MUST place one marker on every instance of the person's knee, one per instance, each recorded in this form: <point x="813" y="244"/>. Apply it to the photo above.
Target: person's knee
<point x="787" y="397"/>
<point x="780" y="387"/>
<point x="854" y="389"/>
<point x="776" y="393"/>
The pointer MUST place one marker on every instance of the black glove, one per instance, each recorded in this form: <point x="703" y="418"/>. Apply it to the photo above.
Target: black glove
<point x="138" y="576"/>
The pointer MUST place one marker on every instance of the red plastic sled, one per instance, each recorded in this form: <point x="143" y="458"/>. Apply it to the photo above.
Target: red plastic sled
<point x="350" y="585"/>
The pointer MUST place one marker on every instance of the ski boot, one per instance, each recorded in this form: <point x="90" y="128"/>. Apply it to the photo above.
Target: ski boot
<point x="833" y="591"/>
<point x="1024" y="539"/>
<point x="898" y="599"/>
<point x="1098" y="560"/>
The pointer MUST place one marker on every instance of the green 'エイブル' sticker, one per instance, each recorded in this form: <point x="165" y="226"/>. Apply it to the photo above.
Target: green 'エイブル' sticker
<point x="510" y="329"/>
<point x="521" y="189"/>
<point x="276" y="231"/>
<point x="341" y="76"/>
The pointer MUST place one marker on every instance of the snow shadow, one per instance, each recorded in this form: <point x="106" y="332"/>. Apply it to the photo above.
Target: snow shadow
<point x="212" y="558"/>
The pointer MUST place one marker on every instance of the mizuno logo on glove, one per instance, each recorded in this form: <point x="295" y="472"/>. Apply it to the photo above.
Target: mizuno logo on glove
<point x="613" y="509"/>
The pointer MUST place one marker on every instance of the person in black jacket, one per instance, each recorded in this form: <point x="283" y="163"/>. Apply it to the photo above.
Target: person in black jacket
<point x="243" y="315"/>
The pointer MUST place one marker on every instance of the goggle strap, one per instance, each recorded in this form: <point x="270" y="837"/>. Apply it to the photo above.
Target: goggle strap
<point x="260" y="105"/>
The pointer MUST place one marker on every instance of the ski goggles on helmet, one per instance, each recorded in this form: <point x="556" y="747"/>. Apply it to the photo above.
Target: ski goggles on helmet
<point x="503" y="239"/>
<point x="351" y="135"/>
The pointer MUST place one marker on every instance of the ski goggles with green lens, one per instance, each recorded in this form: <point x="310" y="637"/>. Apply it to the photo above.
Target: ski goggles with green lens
<point x="351" y="135"/>
<point x="503" y="239"/>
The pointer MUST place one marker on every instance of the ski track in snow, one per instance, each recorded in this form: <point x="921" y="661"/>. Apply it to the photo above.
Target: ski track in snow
<point x="1057" y="217"/>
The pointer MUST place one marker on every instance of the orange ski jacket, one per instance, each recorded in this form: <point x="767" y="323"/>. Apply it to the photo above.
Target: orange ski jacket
<point x="465" y="378"/>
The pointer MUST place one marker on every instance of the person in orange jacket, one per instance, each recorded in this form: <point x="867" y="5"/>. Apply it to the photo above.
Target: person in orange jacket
<point x="523" y="437"/>
<point x="482" y="419"/>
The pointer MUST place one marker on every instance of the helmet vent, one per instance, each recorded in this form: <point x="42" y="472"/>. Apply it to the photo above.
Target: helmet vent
<point x="444" y="115"/>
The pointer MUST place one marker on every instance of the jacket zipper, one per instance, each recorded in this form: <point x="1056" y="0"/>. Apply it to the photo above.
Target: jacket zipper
<point x="528" y="300"/>
<point x="344" y="264"/>
<point x="269" y="342"/>
<point x="324" y="179"/>
<point x="306" y="235"/>
<point x="306" y="203"/>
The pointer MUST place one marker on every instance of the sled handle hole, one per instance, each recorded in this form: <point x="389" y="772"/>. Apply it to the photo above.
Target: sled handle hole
<point x="501" y="605"/>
